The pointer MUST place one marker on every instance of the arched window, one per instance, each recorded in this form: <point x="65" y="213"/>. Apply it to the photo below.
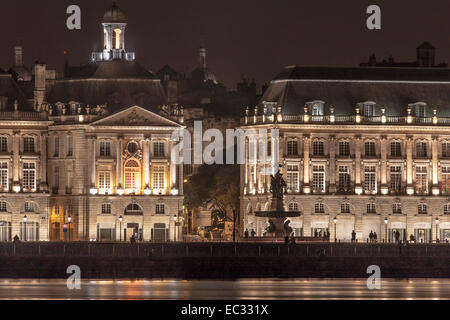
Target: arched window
<point x="133" y="209"/>
<point x="116" y="39"/>
<point x="107" y="47"/>
<point x="132" y="176"/>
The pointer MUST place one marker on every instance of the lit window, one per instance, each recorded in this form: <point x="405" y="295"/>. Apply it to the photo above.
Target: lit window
<point x="158" y="178"/>
<point x="370" y="183"/>
<point x="421" y="179"/>
<point x="132" y="176"/>
<point x="116" y="39"/>
<point x="292" y="177"/>
<point x="29" y="175"/>
<point x="4" y="181"/>
<point x="318" y="178"/>
<point x="396" y="178"/>
<point x="104" y="181"/>
<point x="344" y="179"/>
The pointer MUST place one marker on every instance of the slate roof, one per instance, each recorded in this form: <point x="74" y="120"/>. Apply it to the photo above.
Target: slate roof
<point x="343" y="88"/>
<point x="10" y="89"/>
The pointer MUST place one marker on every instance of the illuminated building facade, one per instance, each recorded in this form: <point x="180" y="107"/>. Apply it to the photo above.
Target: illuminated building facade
<point x="367" y="146"/>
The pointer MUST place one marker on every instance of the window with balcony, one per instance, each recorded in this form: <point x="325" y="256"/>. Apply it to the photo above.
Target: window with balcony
<point x="371" y="208"/>
<point x="3" y="144"/>
<point x="318" y="148"/>
<point x="292" y="148"/>
<point x="104" y="182"/>
<point x="158" y="178"/>
<point x="421" y="179"/>
<point x="105" y="148"/>
<point x="319" y="208"/>
<point x="396" y="208"/>
<point x="370" y="183"/>
<point x="28" y="145"/>
<point x="344" y="179"/>
<point x="29" y="175"/>
<point x="344" y="148"/>
<point x="318" y="178"/>
<point x="345" y="207"/>
<point x="422" y="208"/>
<point x="369" y="149"/>
<point x="396" y="178"/>
<point x="421" y="149"/>
<point x="396" y="149"/>
<point x="132" y="176"/>
<point x="445" y="180"/>
<point x="292" y="177"/>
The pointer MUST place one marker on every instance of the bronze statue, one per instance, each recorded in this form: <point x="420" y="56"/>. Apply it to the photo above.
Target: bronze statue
<point x="277" y="185"/>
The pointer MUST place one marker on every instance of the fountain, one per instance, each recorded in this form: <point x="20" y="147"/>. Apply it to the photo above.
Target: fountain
<point x="278" y="226"/>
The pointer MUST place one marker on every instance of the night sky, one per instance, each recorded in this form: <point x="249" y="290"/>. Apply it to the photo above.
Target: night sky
<point x="251" y="38"/>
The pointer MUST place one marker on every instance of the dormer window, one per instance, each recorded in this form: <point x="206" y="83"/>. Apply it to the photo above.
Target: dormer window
<point x="367" y="108"/>
<point x="419" y="109"/>
<point x="316" y="108"/>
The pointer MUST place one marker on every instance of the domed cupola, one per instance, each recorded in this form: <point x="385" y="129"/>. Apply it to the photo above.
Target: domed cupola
<point x="114" y="24"/>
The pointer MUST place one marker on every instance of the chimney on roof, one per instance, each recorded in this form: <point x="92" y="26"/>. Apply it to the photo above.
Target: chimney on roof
<point x="203" y="58"/>
<point x="18" y="56"/>
<point x="40" y="70"/>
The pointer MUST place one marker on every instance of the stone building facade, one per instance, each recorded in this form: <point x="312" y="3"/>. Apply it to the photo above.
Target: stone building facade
<point x="361" y="149"/>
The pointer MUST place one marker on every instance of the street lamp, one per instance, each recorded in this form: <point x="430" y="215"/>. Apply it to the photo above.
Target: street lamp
<point x="386" y="223"/>
<point x="69" y="218"/>
<point x="175" y="228"/>
<point x="25" y="218"/>
<point x="437" y="222"/>
<point x="335" y="220"/>
<point x="120" y="228"/>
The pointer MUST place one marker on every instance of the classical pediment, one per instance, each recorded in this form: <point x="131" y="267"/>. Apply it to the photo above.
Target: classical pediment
<point x="136" y="116"/>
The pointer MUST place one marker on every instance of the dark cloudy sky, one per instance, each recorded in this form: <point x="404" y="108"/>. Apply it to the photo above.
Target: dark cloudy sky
<point x="255" y="38"/>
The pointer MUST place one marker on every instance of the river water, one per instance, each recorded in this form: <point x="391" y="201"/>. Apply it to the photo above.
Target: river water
<point x="278" y="289"/>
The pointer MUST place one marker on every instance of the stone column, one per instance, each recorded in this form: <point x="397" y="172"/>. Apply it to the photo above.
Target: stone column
<point x="434" y="154"/>
<point x="332" y="167"/>
<point x="358" y="186"/>
<point x="383" y="151"/>
<point x="306" y="148"/>
<point x="409" y="165"/>
<point x="145" y="158"/>
<point x="16" y="155"/>
<point x="119" y="162"/>
<point x="93" y="141"/>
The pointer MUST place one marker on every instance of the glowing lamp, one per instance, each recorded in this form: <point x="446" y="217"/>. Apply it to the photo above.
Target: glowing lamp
<point x="25" y="218"/>
<point x="306" y="189"/>
<point x="147" y="191"/>
<point x="384" y="190"/>
<point x="410" y="191"/>
<point x="435" y="191"/>
<point x="16" y="188"/>
<point x="120" y="191"/>
<point x="93" y="191"/>
<point x="358" y="190"/>
<point x="174" y="192"/>
<point x="386" y="220"/>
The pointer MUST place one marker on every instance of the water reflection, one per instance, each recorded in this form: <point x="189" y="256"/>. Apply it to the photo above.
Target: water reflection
<point x="250" y="289"/>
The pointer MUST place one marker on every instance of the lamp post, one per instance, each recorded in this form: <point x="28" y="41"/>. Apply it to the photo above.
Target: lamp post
<point x="437" y="222"/>
<point x="175" y="228"/>
<point x="25" y="218"/>
<point x="386" y="232"/>
<point x="120" y="228"/>
<point x="335" y="236"/>
<point x="69" y="218"/>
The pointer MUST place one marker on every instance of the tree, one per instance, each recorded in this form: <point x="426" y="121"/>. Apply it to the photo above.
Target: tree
<point x="217" y="187"/>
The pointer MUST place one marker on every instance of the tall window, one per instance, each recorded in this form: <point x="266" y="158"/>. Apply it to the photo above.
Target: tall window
<point x="344" y="148"/>
<point x="446" y="150"/>
<point x="368" y="110"/>
<point x="396" y="208"/>
<point x="422" y="208"/>
<point x="396" y="178"/>
<point x="421" y="179"/>
<point x="158" y="149"/>
<point x="160" y="208"/>
<point x="370" y="183"/>
<point x="445" y="180"/>
<point x="318" y="148"/>
<point x="319" y="178"/>
<point x="106" y="208"/>
<point x="28" y="145"/>
<point x="396" y="149"/>
<point x="105" y="148"/>
<point x="293" y="206"/>
<point x="29" y="175"/>
<point x="371" y="208"/>
<point x="3" y="206"/>
<point x="447" y="208"/>
<point x="56" y="147"/>
<point x="319" y="208"/>
<point x="344" y="179"/>
<point x="4" y="181"/>
<point x="369" y="149"/>
<point x="116" y="39"/>
<point x="269" y="148"/>
<point x="292" y="147"/>
<point x="104" y="181"/>
<point x="3" y="144"/>
<point x="292" y="177"/>
<point x="421" y="149"/>
<point x="69" y="146"/>
<point x="131" y="176"/>
<point x="158" y="178"/>
<point x="345" y="207"/>
<point x="56" y="177"/>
